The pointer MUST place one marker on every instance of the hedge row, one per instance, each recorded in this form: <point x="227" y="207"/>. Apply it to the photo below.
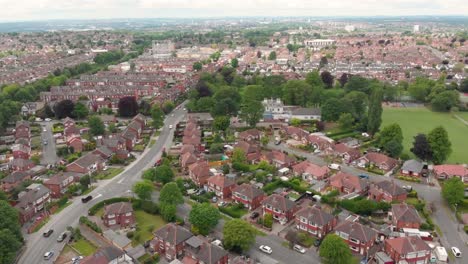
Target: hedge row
<point x="93" y="210"/>
<point x="147" y="206"/>
<point x="84" y="220"/>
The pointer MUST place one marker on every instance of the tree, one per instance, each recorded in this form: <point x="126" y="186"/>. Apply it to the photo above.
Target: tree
<point x="393" y="148"/>
<point x="375" y="111"/>
<point x="158" y="116"/>
<point x="358" y="101"/>
<point x="235" y="63"/>
<point x="9" y="245"/>
<point x="80" y="111"/>
<point x="163" y="174"/>
<point x="197" y="66"/>
<point x="440" y="144"/>
<point x="170" y="194"/>
<point x="96" y="126"/>
<point x="128" y="106"/>
<point x="272" y="56"/>
<point x="168" y="212"/>
<point x="331" y="110"/>
<point x="144" y="108"/>
<point x="327" y="79"/>
<point x="389" y="133"/>
<point x="314" y="79"/>
<point x="238" y="235"/>
<point x="343" y="79"/>
<point x="334" y="250"/>
<point x="453" y="191"/>
<point x="421" y="147"/>
<point x="168" y="106"/>
<point x="238" y="156"/>
<point x="299" y="92"/>
<point x="357" y="83"/>
<point x="64" y="108"/>
<point x="143" y="189"/>
<point x="252" y="112"/>
<point x="85" y="181"/>
<point x="346" y="121"/>
<point x="464" y="86"/>
<point x="444" y="101"/>
<point x="420" y="88"/>
<point x="221" y="123"/>
<point x="204" y="217"/>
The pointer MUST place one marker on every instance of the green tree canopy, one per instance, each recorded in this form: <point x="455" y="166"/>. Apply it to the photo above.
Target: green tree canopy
<point x="374" y="116"/>
<point x="204" y="217"/>
<point x="334" y="250"/>
<point x="421" y="147"/>
<point x="170" y="194"/>
<point x="252" y="112"/>
<point x="453" y="191"/>
<point x="221" y="123"/>
<point x="346" y="121"/>
<point x="80" y="111"/>
<point x="238" y="235"/>
<point x="440" y="144"/>
<point x="96" y="126"/>
<point x="143" y="189"/>
<point x="238" y="156"/>
<point x="158" y="116"/>
<point x="168" y="212"/>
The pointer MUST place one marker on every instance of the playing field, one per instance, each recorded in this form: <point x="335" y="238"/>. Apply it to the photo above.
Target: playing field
<point x="422" y="120"/>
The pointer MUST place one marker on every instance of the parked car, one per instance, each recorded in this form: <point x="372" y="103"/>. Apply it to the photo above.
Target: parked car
<point x="408" y="188"/>
<point x="214" y="199"/>
<point x="48" y="119"/>
<point x="299" y="249"/>
<point x="87" y="199"/>
<point x="266" y="249"/>
<point x="76" y="260"/>
<point x="170" y="126"/>
<point x="277" y="142"/>
<point x="222" y="204"/>
<point x="456" y="252"/>
<point x="48" y="232"/>
<point x="62" y="237"/>
<point x="364" y="176"/>
<point x="334" y="166"/>
<point x="254" y="215"/>
<point x="317" y="242"/>
<point x="217" y="242"/>
<point x="48" y="255"/>
<point x="45" y="142"/>
<point x="200" y="192"/>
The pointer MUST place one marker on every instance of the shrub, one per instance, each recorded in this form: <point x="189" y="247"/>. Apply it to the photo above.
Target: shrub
<point x="268" y="221"/>
<point x="84" y="220"/>
<point x="130" y="234"/>
<point x="413" y="194"/>
<point x="101" y="204"/>
<point x="147" y="206"/>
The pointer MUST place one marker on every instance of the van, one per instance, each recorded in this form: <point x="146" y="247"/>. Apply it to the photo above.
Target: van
<point x="456" y="252"/>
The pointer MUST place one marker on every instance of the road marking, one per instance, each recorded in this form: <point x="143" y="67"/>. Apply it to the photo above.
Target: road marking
<point x="121" y="180"/>
<point x="97" y="196"/>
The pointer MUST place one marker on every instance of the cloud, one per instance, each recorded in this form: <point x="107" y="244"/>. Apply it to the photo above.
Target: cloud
<point x="90" y="9"/>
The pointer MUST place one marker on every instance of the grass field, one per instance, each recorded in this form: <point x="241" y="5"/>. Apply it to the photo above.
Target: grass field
<point x="109" y="173"/>
<point x="146" y="224"/>
<point x="84" y="247"/>
<point x="463" y="115"/>
<point x="421" y="120"/>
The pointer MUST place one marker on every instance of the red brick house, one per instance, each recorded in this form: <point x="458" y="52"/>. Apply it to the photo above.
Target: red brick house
<point x="14" y="179"/>
<point x="187" y="149"/>
<point x="347" y="183"/>
<point x="21" y="164"/>
<point x="346" y="153"/>
<point x="104" y="152"/>
<point x="315" y="221"/>
<point x="58" y="184"/>
<point x="310" y="171"/>
<point x="130" y="139"/>
<point x="278" y="159"/>
<point x="199" y="173"/>
<point x="448" y="171"/>
<point x="22" y="130"/>
<point x="118" y="214"/>
<point x="68" y="122"/>
<point x="88" y="163"/>
<point x="387" y="191"/>
<point x="221" y="186"/>
<point x="32" y="201"/>
<point x="252" y="151"/>
<point x="324" y="145"/>
<point x="169" y="241"/>
<point x="199" y="251"/>
<point x="411" y="250"/>
<point x="250" y="135"/>
<point x="187" y="159"/>
<point x="378" y="160"/>
<point x="21" y="151"/>
<point x="296" y="133"/>
<point x="360" y="238"/>
<point x="141" y="119"/>
<point x="71" y="130"/>
<point x="135" y="127"/>
<point x="404" y="216"/>
<point x="282" y="209"/>
<point x="76" y="143"/>
<point x="248" y="195"/>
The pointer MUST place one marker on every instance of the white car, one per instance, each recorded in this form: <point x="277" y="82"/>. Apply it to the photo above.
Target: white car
<point x="76" y="259"/>
<point x="266" y="249"/>
<point x="48" y="119"/>
<point x="299" y="249"/>
<point x="456" y="252"/>
<point x="48" y="255"/>
<point x="170" y="126"/>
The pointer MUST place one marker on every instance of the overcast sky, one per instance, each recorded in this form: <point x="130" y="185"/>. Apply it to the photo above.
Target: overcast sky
<point x="18" y="10"/>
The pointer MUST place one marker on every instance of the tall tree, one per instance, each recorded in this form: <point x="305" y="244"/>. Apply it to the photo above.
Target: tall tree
<point x="334" y="250"/>
<point x="346" y="121"/>
<point x="168" y="106"/>
<point x="96" y="126"/>
<point x="314" y="79"/>
<point x="238" y="156"/>
<point x="9" y="245"/>
<point x="272" y="56"/>
<point x="464" y="86"/>
<point x="393" y="148"/>
<point x="421" y="147"/>
<point x="331" y="110"/>
<point x="204" y="217"/>
<point x="235" y="63"/>
<point x="252" y="112"/>
<point x="143" y="189"/>
<point x="197" y="66"/>
<point x="168" y="212"/>
<point x="375" y="111"/>
<point x="128" y="106"/>
<point x="343" y="79"/>
<point x="440" y="144"/>
<point x="453" y="191"/>
<point x="221" y="123"/>
<point x="389" y="133"/>
<point x="327" y="79"/>
<point x="158" y="116"/>
<point x="64" y="108"/>
<point x="358" y="101"/>
<point x="170" y="194"/>
<point x="80" y="111"/>
<point x="238" y="235"/>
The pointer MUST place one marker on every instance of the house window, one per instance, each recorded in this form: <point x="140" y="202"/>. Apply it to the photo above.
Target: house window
<point x="303" y="220"/>
<point x="354" y="248"/>
<point x="354" y="240"/>
<point x="344" y="235"/>
<point x="112" y="222"/>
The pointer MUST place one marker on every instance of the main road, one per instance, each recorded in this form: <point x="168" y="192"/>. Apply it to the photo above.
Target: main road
<point x="37" y="245"/>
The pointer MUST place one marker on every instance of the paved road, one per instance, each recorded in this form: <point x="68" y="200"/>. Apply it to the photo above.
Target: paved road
<point x="118" y="186"/>
<point x="442" y="216"/>
<point x="49" y="152"/>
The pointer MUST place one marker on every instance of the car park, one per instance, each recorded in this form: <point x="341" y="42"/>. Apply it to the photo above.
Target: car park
<point x="299" y="249"/>
<point x="87" y="199"/>
<point x="456" y="252"/>
<point x="48" y="255"/>
<point x="265" y="249"/>
<point x="48" y="232"/>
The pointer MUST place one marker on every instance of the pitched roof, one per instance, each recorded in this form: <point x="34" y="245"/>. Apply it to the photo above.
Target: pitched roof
<point x="306" y="111"/>
<point x="173" y="234"/>
<point x="343" y="149"/>
<point x="57" y="179"/>
<point x="405" y="245"/>
<point x="390" y="187"/>
<point x="16" y="176"/>
<point x="279" y="201"/>
<point x="248" y="190"/>
<point x="405" y="213"/>
<point x="118" y="208"/>
<point x="187" y="148"/>
<point x="307" y="167"/>
<point x="348" y="181"/>
<point x="315" y="215"/>
<point x="103" y="255"/>
<point x="21" y="163"/>
<point x="221" y="181"/>
<point x="253" y="132"/>
<point x="357" y="231"/>
<point x="200" y="169"/>
<point x="412" y="165"/>
<point x="379" y="158"/>
<point x="247" y="147"/>
<point x="278" y="156"/>
<point x="210" y="254"/>
<point x="31" y="195"/>
<point x="88" y="160"/>
<point x="451" y="170"/>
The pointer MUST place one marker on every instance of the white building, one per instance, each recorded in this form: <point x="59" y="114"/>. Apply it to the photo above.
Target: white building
<point x="275" y="109"/>
<point x="162" y="49"/>
<point x="416" y="28"/>
<point x="350" y="28"/>
<point x="318" y="44"/>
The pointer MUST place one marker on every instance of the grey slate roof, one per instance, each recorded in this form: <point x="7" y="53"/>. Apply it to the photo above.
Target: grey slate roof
<point x="412" y="165"/>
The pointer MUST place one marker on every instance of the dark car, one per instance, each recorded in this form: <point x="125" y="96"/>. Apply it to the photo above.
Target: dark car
<point x="254" y="215"/>
<point x="317" y="242"/>
<point x="87" y="199"/>
<point x="364" y="176"/>
<point x="47" y="233"/>
<point x="62" y="237"/>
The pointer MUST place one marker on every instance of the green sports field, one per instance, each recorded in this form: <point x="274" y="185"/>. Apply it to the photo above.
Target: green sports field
<point x="422" y="120"/>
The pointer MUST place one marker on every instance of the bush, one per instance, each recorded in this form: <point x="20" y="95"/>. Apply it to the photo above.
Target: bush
<point x="234" y="211"/>
<point x="413" y="194"/>
<point x="147" y="206"/>
<point x="199" y="199"/>
<point x="84" y="220"/>
<point x="130" y="234"/>
<point x="268" y="220"/>
<point x="241" y="167"/>
<point x="93" y="210"/>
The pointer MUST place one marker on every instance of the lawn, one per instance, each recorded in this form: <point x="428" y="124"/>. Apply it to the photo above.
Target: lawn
<point x="109" y="173"/>
<point x="84" y="247"/>
<point x="421" y="120"/>
<point x="463" y="115"/>
<point x="146" y="224"/>
<point x="235" y="211"/>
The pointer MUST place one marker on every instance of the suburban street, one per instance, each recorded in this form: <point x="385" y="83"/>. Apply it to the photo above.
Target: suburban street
<point x="37" y="245"/>
<point x="442" y="215"/>
<point x="49" y="152"/>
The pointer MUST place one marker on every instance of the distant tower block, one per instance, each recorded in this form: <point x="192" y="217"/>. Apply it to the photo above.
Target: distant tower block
<point x="162" y="49"/>
<point x="416" y="28"/>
